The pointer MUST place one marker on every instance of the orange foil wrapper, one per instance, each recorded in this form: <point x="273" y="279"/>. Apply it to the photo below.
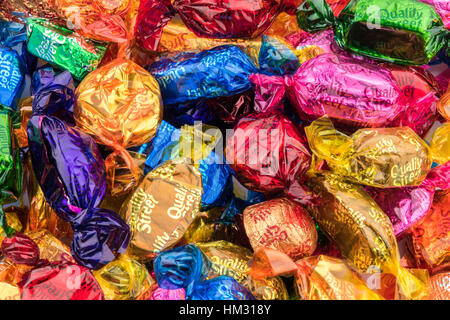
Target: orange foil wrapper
<point x="120" y="105"/>
<point x="283" y="225"/>
<point x="229" y="259"/>
<point x="361" y="230"/>
<point x="26" y="8"/>
<point x="431" y="237"/>
<point x="162" y="207"/>
<point x="444" y="105"/>
<point x="440" y="287"/>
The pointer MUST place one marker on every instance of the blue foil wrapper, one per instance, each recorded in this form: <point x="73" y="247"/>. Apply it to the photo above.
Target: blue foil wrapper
<point x="181" y="267"/>
<point x="71" y="173"/>
<point x="219" y="72"/>
<point x="220" y="288"/>
<point x="275" y="58"/>
<point x="216" y="174"/>
<point x="11" y="77"/>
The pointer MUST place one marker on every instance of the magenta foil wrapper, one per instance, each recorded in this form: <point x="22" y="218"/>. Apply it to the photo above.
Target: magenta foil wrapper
<point x="353" y="93"/>
<point x="166" y="294"/>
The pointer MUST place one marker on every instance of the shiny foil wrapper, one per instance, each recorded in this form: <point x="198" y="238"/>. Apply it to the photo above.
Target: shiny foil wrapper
<point x="228" y="259"/>
<point x="267" y="152"/>
<point x="162" y="207"/>
<point x="327" y="278"/>
<point x="50" y="247"/>
<point x="167" y="294"/>
<point x="444" y="105"/>
<point x="124" y="279"/>
<point x="352" y="92"/>
<point x="203" y="228"/>
<point x="120" y="105"/>
<point x="404" y="32"/>
<point x="440" y="144"/>
<point x="205" y="18"/>
<point x="63" y="48"/>
<point x="9" y="291"/>
<point x="360" y="229"/>
<point x="16" y="10"/>
<point x="281" y="224"/>
<point x="11" y="77"/>
<point x="430" y="238"/>
<point x="439" y="287"/>
<point x="379" y="157"/>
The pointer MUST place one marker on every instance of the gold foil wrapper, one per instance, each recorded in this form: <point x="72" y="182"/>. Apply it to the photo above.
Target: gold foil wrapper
<point x="9" y="291"/>
<point x="12" y="221"/>
<point x="162" y="207"/>
<point x="25" y="110"/>
<point x="439" y="287"/>
<point x="327" y="278"/>
<point x="120" y="105"/>
<point x="360" y="229"/>
<point x="379" y="157"/>
<point x="124" y="279"/>
<point x="283" y="225"/>
<point x="203" y="228"/>
<point x="26" y="8"/>
<point x="440" y="144"/>
<point x="50" y="247"/>
<point x="228" y="259"/>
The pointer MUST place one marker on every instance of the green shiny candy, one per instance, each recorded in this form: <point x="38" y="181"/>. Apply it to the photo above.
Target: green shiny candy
<point x="63" y="48"/>
<point x="398" y="31"/>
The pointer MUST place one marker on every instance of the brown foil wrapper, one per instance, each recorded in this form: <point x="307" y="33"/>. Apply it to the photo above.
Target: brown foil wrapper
<point x="38" y="8"/>
<point x="228" y="259"/>
<point x="360" y="229"/>
<point x="283" y="225"/>
<point x="431" y="236"/>
<point x="162" y="207"/>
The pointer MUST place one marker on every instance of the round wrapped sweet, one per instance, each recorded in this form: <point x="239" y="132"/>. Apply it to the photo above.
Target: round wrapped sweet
<point x="283" y="225"/>
<point x="120" y="105"/>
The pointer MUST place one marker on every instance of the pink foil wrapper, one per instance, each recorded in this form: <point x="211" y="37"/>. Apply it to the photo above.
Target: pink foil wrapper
<point x="166" y="294"/>
<point x="353" y="92"/>
<point x="407" y="206"/>
<point x="442" y="8"/>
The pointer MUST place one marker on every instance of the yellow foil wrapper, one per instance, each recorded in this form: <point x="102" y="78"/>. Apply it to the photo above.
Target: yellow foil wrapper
<point x="379" y="157"/>
<point x="9" y="291"/>
<point x="360" y="229"/>
<point x="162" y="207"/>
<point x="327" y="278"/>
<point x="228" y="259"/>
<point x="202" y="229"/>
<point x="444" y="105"/>
<point x="283" y="225"/>
<point x="12" y="221"/>
<point x="124" y="279"/>
<point x="120" y="105"/>
<point x="440" y="144"/>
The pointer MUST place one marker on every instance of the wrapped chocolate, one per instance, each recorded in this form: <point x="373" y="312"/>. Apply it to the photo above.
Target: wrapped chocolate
<point x="440" y="144"/>
<point x="352" y="92"/>
<point x="439" y="286"/>
<point x="196" y="145"/>
<point x="228" y="259"/>
<point x="124" y="279"/>
<point x="379" y="157"/>
<point x="11" y="76"/>
<point x="166" y="294"/>
<point x="283" y="225"/>
<point x="162" y="207"/>
<point x="120" y="106"/>
<point x="18" y="10"/>
<point x="220" y="288"/>
<point x="63" y="47"/>
<point x="206" y="18"/>
<point x="221" y="71"/>
<point x="316" y="278"/>
<point x="444" y="105"/>
<point x="430" y="237"/>
<point x="267" y="152"/>
<point x="360" y="229"/>
<point x="9" y="291"/>
<point x="61" y="280"/>
<point x="71" y="174"/>
<point x="402" y="31"/>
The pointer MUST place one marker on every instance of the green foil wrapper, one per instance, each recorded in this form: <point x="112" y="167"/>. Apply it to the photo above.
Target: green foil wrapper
<point x="63" y="48"/>
<point x="398" y="31"/>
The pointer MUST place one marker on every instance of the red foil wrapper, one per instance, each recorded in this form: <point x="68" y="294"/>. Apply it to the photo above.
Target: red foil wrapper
<point x="268" y="152"/>
<point x="206" y="18"/>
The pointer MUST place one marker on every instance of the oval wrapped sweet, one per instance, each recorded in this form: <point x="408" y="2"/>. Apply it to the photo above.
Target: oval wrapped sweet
<point x="11" y="76"/>
<point x="120" y="106"/>
<point x="281" y="224"/>
<point x="162" y="207"/>
<point x="379" y="157"/>
<point x="229" y="259"/>
<point x="430" y="238"/>
<point x="124" y="279"/>
<point x="440" y="144"/>
<point x="267" y="152"/>
<point x="206" y="18"/>
<point x="221" y="71"/>
<point x="360" y="229"/>
<point x="353" y="92"/>
<point x="402" y="32"/>
<point x="71" y="174"/>
<point x="57" y="280"/>
<point x="166" y="294"/>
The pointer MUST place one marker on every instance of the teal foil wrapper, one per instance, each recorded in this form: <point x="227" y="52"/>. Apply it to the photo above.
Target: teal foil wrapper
<point x="63" y="48"/>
